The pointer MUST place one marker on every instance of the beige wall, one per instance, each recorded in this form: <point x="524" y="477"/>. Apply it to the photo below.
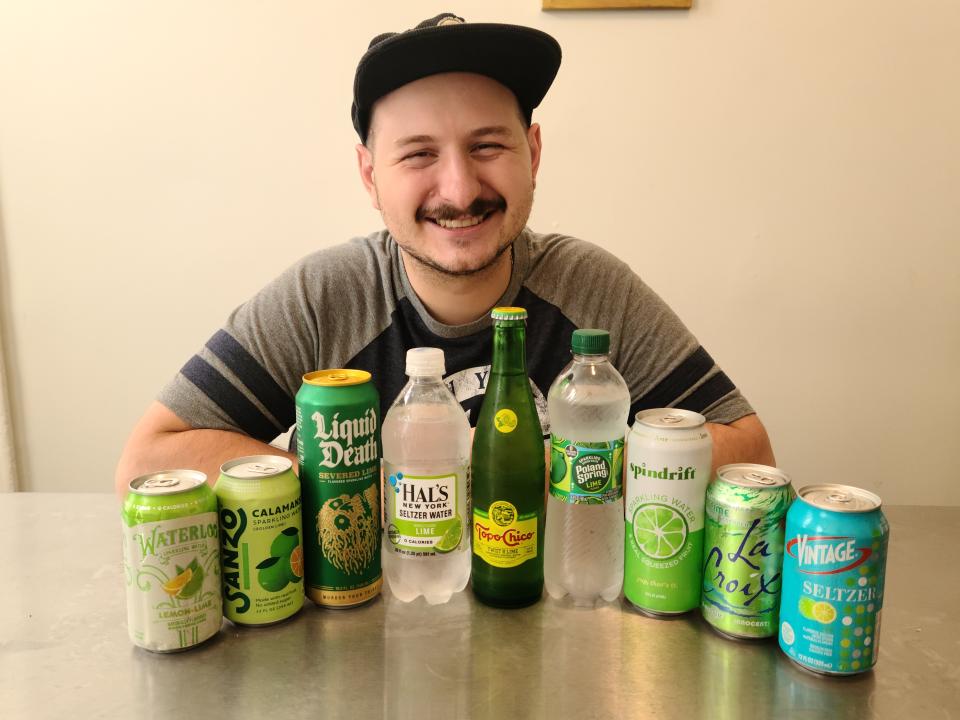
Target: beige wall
<point x="786" y="174"/>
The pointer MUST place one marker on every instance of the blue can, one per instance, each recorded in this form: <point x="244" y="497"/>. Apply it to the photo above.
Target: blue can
<point x="834" y="561"/>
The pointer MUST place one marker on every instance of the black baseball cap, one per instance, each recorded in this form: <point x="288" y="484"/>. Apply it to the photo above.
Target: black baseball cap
<point x="523" y="59"/>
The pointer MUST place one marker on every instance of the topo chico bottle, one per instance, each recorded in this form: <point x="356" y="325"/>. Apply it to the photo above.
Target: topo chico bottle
<point x="508" y="475"/>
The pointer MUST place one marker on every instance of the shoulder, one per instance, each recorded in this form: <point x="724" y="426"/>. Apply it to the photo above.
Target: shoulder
<point x="555" y="252"/>
<point x="362" y="257"/>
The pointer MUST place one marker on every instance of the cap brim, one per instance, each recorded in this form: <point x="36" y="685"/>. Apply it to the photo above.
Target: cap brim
<point x="523" y="59"/>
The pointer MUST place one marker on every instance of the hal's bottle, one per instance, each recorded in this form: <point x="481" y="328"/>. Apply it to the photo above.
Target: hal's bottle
<point x="508" y="475"/>
<point x="426" y="447"/>
<point x="588" y="405"/>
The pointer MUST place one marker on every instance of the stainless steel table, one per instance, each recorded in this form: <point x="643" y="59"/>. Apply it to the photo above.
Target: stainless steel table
<point x="64" y="650"/>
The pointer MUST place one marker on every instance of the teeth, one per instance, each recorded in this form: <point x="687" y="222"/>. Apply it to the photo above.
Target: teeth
<point x="465" y="222"/>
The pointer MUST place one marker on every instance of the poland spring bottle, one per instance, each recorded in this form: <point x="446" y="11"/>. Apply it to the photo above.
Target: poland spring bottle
<point x="426" y="456"/>
<point x="588" y="405"/>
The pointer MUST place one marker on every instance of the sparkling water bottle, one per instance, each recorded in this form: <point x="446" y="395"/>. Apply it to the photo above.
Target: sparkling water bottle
<point x="588" y="405"/>
<point x="426" y="450"/>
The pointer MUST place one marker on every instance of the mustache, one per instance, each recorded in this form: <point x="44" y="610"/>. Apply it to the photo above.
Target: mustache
<point x="480" y="206"/>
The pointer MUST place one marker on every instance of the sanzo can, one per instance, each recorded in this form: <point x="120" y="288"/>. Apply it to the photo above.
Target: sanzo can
<point x="338" y="446"/>
<point x="260" y="530"/>
<point x="669" y="455"/>
<point x="746" y="509"/>
<point x="833" y="574"/>
<point x="171" y="560"/>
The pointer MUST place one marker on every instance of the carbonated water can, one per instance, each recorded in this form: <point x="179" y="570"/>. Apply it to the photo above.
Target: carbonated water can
<point x="260" y="547"/>
<point x="746" y="509"/>
<point x="669" y="456"/>
<point x="171" y="560"/>
<point x="833" y="577"/>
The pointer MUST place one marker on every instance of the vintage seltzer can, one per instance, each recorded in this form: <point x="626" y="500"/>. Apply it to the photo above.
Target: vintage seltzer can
<point x="746" y="510"/>
<point x="669" y="455"/>
<point x="833" y="576"/>
<point x="171" y="560"/>
<point x="261" y="552"/>
<point x="338" y="446"/>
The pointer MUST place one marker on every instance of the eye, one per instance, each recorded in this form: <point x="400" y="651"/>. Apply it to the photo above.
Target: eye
<point x="487" y="148"/>
<point x="418" y="158"/>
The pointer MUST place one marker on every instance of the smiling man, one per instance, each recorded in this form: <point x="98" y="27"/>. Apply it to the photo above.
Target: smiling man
<point x="449" y="156"/>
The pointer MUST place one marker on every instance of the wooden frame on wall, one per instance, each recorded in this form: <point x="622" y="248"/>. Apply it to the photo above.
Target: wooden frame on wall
<point x="613" y="4"/>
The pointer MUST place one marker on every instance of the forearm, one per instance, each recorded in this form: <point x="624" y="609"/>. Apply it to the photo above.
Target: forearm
<point x="204" y="450"/>
<point x="742" y="441"/>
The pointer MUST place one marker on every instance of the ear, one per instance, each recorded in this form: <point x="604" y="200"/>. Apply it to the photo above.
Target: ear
<point x="365" y="165"/>
<point x="535" y="143"/>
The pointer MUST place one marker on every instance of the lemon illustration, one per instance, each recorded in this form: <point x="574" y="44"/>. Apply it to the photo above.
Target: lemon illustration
<point x="296" y="564"/>
<point x="824" y="612"/>
<point x="451" y="538"/>
<point x="175" y="586"/>
<point x="659" y="530"/>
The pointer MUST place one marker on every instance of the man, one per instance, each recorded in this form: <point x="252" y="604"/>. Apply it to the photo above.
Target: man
<point x="449" y="156"/>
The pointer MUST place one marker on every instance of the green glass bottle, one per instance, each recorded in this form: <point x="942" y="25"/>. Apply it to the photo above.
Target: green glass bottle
<point x="508" y="473"/>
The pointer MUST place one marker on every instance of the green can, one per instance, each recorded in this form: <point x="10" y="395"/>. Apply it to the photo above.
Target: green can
<point x="171" y="560"/>
<point x="260" y="539"/>
<point x="746" y="510"/>
<point x="338" y="446"/>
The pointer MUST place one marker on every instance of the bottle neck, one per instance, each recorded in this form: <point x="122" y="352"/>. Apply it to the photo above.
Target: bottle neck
<point x="591" y="359"/>
<point x="509" y="349"/>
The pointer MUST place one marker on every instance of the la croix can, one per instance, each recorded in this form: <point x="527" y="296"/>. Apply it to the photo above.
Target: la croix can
<point x="171" y="560"/>
<point x="833" y="578"/>
<point x="338" y="446"/>
<point x="260" y="539"/>
<point x="746" y="510"/>
<point x="669" y="456"/>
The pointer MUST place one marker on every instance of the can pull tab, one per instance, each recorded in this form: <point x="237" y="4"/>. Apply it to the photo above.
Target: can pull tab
<point x="262" y="469"/>
<point x="839" y="497"/>
<point x="672" y="419"/>
<point x="161" y="482"/>
<point x="760" y="479"/>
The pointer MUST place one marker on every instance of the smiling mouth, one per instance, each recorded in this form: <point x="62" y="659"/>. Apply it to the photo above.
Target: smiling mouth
<point x="459" y="223"/>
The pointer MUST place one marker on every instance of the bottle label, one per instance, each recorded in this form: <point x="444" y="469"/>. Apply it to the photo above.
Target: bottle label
<point x="502" y="537"/>
<point x="422" y="515"/>
<point x="588" y="473"/>
<point x="505" y="420"/>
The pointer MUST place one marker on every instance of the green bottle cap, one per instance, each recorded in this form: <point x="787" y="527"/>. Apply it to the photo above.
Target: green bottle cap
<point x="590" y="342"/>
<point x="508" y="313"/>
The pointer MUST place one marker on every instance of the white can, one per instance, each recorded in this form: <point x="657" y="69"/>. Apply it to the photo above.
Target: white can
<point x="669" y="457"/>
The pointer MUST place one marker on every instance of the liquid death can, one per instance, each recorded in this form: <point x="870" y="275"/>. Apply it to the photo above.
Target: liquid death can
<point x="833" y="577"/>
<point x="260" y="548"/>
<point x="338" y="446"/>
<point x="171" y="560"/>
<point x="669" y="455"/>
<point x="746" y="508"/>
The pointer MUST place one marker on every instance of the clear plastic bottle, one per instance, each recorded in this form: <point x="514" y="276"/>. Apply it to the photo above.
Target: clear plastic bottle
<point x="588" y="405"/>
<point x="426" y="456"/>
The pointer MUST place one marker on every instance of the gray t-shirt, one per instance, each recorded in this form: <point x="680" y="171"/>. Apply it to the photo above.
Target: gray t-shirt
<point x="352" y="306"/>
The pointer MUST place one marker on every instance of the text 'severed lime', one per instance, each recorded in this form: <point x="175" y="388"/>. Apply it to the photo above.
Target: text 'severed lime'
<point x="338" y="447"/>
<point x="171" y="560"/>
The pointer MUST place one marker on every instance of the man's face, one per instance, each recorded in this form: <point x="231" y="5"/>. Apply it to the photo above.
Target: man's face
<point x="451" y="168"/>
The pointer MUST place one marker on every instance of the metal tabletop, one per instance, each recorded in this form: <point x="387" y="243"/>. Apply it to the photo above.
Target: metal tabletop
<point x="64" y="650"/>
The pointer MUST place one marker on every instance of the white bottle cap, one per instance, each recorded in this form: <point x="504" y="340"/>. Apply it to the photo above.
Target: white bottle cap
<point x="425" y="361"/>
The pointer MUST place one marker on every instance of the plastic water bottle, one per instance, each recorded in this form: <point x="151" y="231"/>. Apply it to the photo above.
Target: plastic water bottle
<point x="588" y="405"/>
<point x="426" y="455"/>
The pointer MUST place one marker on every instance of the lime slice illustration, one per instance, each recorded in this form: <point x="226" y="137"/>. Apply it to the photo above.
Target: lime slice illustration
<point x="451" y="538"/>
<point x="805" y="606"/>
<point x="659" y="530"/>
<point x="174" y="587"/>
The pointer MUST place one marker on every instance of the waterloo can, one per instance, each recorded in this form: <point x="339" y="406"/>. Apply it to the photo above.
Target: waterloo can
<point x="669" y="456"/>
<point x="171" y="560"/>
<point x="746" y="510"/>
<point x="261" y="553"/>
<point x="833" y="578"/>
<point x="338" y="446"/>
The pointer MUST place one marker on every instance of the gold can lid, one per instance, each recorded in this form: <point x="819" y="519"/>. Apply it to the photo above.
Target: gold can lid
<point x="509" y="313"/>
<point x="336" y="377"/>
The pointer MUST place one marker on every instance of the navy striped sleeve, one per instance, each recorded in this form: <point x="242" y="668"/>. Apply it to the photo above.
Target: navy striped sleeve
<point x="679" y="381"/>
<point x="244" y="413"/>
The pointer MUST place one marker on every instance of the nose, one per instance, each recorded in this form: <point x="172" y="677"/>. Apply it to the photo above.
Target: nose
<point x="458" y="181"/>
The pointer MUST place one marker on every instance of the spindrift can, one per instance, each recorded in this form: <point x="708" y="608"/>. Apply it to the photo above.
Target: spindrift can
<point x="746" y="510"/>
<point x="669" y="454"/>
<point x="833" y="575"/>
